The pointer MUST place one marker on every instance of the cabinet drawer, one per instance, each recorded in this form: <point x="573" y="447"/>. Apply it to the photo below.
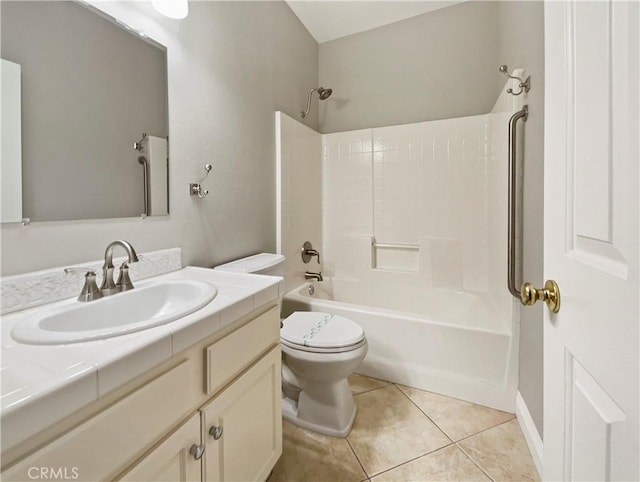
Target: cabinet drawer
<point x="229" y="356"/>
<point x="102" y="446"/>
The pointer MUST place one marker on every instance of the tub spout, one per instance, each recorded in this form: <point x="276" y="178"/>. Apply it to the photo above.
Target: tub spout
<point x="315" y="276"/>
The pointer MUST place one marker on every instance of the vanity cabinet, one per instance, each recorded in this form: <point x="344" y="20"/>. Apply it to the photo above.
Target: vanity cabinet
<point x="106" y="442"/>
<point x="237" y="436"/>
<point x="243" y="425"/>
<point x="222" y="395"/>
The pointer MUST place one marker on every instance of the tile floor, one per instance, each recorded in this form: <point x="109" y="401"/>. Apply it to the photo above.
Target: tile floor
<point x="404" y="434"/>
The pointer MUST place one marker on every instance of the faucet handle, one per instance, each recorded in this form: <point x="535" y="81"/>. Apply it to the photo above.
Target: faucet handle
<point x="308" y="252"/>
<point x="90" y="290"/>
<point x="314" y="252"/>
<point x="124" y="280"/>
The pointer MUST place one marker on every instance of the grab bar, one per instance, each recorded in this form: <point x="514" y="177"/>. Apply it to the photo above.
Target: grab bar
<point x="396" y="245"/>
<point x="511" y="259"/>
<point x="145" y="183"/>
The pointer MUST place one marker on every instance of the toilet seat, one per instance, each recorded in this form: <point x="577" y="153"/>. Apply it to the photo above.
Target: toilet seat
<point x="310" y="349"/>
<point x="320" y="332"/>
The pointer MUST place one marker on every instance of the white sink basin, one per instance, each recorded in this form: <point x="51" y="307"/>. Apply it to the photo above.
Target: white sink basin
<point x="139" y="309"/>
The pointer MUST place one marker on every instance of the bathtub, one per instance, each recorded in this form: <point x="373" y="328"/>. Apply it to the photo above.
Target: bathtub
<point x="443" y="341"/>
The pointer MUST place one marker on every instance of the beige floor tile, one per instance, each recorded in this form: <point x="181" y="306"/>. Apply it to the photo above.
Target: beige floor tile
<point x="310" y="457"/>
<point x="390" y="430"/>
<point x="360" y="383"/>
<point x="457" y="418"/>
<point x="502" y="452"/>
<point x="447" y="464"/>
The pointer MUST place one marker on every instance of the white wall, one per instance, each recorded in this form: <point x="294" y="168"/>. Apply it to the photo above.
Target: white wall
<point x="299" y="183"/>
<point x="231" y="65"/>
<point x="439" y="65"/>
<point x="347" y="202"/>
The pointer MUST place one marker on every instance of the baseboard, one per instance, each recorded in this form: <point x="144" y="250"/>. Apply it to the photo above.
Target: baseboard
<point x="530" y="432"/>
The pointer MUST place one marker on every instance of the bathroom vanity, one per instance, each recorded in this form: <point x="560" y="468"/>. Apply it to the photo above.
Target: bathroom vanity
<point x="194" y="399"/>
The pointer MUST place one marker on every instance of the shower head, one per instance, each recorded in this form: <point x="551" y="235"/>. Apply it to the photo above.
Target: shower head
<point x="323" y="94"/>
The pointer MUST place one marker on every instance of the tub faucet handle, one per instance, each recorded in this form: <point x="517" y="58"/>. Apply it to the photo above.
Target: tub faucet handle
<point x="308" y="252"/>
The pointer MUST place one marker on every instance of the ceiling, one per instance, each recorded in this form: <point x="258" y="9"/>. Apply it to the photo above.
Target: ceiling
<point x="328" y="20"/>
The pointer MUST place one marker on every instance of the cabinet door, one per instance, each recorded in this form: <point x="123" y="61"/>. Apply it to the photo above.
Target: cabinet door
<point x="243" y="425"/>
<point x="172" y="460"/>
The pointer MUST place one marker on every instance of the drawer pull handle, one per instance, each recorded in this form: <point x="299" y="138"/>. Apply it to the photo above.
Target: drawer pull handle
<point x="216" y="432"/>
<point x="197" y="451"/>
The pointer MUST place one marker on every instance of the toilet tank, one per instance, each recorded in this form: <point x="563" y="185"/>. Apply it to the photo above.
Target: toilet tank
<point x="263" y="263"/>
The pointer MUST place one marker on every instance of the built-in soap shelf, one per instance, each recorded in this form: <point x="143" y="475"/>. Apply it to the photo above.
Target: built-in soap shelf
<point x="395" y="256"/>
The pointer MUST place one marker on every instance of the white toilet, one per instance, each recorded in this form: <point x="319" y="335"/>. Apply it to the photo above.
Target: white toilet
<point x="320" y="351"/>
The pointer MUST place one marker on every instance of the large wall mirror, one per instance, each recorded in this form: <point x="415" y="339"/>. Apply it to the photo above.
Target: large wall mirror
<point x="78" y="91"/>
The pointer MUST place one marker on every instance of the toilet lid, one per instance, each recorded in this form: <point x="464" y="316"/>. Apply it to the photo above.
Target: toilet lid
<point x="320" y="330"/>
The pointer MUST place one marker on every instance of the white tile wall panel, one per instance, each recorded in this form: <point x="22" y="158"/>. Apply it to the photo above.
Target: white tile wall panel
<point x="299" y="172"/>
<point x="347" y="188"/>
<point x="441" y="185"/>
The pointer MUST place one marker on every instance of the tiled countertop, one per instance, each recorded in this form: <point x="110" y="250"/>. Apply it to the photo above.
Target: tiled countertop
<point x="42" y="384"/>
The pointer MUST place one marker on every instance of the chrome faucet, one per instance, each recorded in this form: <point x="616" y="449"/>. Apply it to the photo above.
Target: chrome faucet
<point x="108" y="286"/>
<point x="315" y="276"/>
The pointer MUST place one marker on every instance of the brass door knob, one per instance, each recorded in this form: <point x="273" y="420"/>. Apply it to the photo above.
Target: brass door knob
<point x="550" y="294"/>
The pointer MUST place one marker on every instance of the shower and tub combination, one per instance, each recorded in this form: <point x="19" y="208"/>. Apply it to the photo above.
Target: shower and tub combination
<point x="411" y="221"/>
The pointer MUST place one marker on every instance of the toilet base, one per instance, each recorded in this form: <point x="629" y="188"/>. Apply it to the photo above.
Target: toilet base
<point x="342" y="421"/>
<point x="315" y="390"/>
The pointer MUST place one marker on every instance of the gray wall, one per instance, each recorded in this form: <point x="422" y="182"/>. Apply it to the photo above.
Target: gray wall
<point x="231" y="65"/>
<point x="522" y="45"/>
<point x="89" y="90"/>
<point x="434" y="66"/>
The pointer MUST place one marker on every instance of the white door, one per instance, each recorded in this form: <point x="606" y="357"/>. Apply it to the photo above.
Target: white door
<point x="591" y="247"/>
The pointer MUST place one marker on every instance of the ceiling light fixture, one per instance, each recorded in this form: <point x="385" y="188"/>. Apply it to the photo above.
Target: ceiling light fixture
<point x="172" y="8"/>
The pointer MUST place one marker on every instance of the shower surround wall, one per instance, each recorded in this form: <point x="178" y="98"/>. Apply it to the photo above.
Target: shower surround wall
<point x="422" y="203"/>
<point x="298" y="203"/>
<point x="414" y="243"/>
